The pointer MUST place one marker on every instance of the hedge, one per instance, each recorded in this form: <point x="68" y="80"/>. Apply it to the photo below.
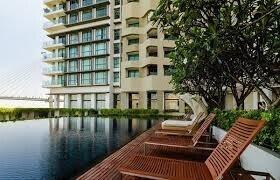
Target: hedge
<point x="129" y="112"/>
<point x="269" y="136"/>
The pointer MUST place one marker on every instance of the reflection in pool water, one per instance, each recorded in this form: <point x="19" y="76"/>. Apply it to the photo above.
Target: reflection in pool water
<point x="62" y="148"/>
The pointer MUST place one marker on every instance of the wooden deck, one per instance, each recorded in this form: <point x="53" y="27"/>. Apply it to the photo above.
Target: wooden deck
<point x="108" y="168"/>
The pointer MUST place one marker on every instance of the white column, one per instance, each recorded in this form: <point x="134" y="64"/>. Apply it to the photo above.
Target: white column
<point x="93" y="101"/>
<point x="79" y="101"/>
<point x="56" y="101"/>
<point x="107" y="100"/>
<point x="66" y="101"/>
<point x="256" y="99"/>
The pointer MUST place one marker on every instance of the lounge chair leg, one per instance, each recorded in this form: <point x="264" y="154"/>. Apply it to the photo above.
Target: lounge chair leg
<point x="145" y="149"/>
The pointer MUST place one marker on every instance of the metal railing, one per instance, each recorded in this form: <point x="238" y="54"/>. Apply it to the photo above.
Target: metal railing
<point x="51" y="70"/>
<point x="52" y="43"/>
<point x="52" y="56"/>
<point x="54" y="23"/>
<point x="53" y="83"/>
<point x="52" y="10"/>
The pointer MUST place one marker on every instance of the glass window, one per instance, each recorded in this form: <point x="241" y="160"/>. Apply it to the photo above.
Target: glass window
<point x="100" y="101"/>
<point x="132" y="73"/>
<point x="101" y="63"/>
<point x="134" y="100"/>
<point x="117" y="2"/>
<point x="117" y="13"/>
<point x="87" y="2"/>
<point x="152" y="100"/>
<point x="133" y="57"/>
<point x="73" y="101"/>
<point x="117" y="101"/>
<point x="73" y="66"/>
<point x="87" y="36"/>
<point x="117" y="33"/>
<point x="101" y="12"/>
<point x="86" y="101"/>
<point x="87" y="50"/>
<point x="86" y="64"/>
<point x="167" y="70"/>
<point x="152" y="70"/>
<point x="100" y="48"/>
<point x="86" y="79"/>
<point x="116" y="48"/>
<point x="87" y="15"/>
<point x="62" y="39"/>
<point x="116" y="77"/>
<point x="72" y="79"/>
<point x="101" y="77"/>
<point x="74" y="38"/>
<point x="133" y="24"/>
<point x="61" y="52"/>
<point x="73" y="18"/>
<point x="74" y="4"/>
<point x="133" y="41"/>
<point x="116" y="62"/>
<point x="101" y="33"/>
<point x="99" y="1"/>
<point x="171" y="102"/>
<point x="73" y="52"/>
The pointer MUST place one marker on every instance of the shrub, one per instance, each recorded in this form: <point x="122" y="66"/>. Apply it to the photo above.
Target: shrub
<point x="129" y="112"/>
<point x="270" y="135"/>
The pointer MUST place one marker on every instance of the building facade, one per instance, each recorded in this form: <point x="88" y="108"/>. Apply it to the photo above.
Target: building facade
<point x="107" y="54"/>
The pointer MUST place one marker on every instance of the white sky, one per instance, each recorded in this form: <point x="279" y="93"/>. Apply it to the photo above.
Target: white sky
<point x="21" y="39"/>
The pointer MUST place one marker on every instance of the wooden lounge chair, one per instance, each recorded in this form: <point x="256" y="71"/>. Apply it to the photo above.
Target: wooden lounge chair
<point x="182" y="141"/>
<point x="179" y="125"/>
<point x="215" y="167"/>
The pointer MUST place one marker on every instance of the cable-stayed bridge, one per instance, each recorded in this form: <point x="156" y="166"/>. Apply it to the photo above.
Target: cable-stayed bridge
<point x="22" y="84"/>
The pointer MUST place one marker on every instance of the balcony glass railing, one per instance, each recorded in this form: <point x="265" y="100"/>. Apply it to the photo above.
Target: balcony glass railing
<point x="52" y="10"/>
<point x="74" y="6"/>
<point x="54" y="23"/>
<point x="52" y="43"/>
<point x="51" y="70"/>
<point x="87" y="3"/>
<point x="52" y="56"/>
<point x="53" y="83"/>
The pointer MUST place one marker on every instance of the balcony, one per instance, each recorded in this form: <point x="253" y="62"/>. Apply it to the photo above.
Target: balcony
<point x="53" y="84"/>
<point x="54" y="26"/>
<point x="53" y="70"/>
<point x="52" y="57"/>
<point x="51" y="3"/>
<point x="51" y="13"/>
<point x="51" y="45"/>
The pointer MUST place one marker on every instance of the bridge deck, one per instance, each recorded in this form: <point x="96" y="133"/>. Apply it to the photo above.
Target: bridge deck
<point x="108" y="168"/>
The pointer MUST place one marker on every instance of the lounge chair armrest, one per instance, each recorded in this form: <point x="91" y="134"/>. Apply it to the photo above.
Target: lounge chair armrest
<point x="240" y="171"/>
<point x="206" y="145"/>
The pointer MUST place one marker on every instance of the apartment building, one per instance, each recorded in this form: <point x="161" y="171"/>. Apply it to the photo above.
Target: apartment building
<point x="107" y="54"/>
<point x="83" y="55"/>
<point x="145" y="77"/>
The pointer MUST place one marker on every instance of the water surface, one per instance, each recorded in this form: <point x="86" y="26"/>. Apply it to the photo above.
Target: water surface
<point x="62" y="148"/>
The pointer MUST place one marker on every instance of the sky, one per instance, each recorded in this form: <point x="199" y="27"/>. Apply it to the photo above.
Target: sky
<point x="21" y="40"/>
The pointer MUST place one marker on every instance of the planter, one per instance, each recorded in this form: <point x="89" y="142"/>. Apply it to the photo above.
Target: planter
<point x="255" y="158"/>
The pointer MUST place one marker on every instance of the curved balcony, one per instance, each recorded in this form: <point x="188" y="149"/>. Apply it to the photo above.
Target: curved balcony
<point x="51" y="45"/>
<point x="54" y="12"/>
<point x="54" y="26"/>
<point x="53" y="71"/>
<point x="132" y="10"/>
<point x="53" y="84"/>
<point x="52" y="57"/>
<point x="131" y="31"/>
<point x="51" y="3"/>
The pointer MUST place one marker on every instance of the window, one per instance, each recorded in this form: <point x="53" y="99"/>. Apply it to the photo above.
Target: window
<point x="169" y="37"/>
<point x="116" y="48"/>
<point x="133" y="101"/>
<point x="60" y="80"/>
<point x="116" y="77"/>
<point x="86" y="101"/>
<point x="101" y="12"/>
<point x="62" y="39"/>
<point x="61" y="52"/>
<point x="72" y="79"/>
<point x="87" y="36"/>
<point x="73" y="101"/>
<point x="133" y="24"/>
<point x="61" y="66"/>
<point x="73" y="18"/>
<point x="167" y="70"/>
<point x="101" y="63"/>
<point x="117" y="2"/>
<point x="100" y="101"/>
<point x="167" y="52"/>
<point x="133" y="41"/>
<point x="133" y="73"/>
<point x="86" y="50"/>
<point x="87" y="15"/>
<point x="74" y="38"/>
<point x="86" y="79"/>
<point x="100" y="48"/>
<point x="117" y="33"/>
<point x="99" y="1"/>
<point x="101" y="33"/>
<point x="152" y="100"/>
<point x="87" y="2"/>
<point x="152" y="70"/>
<point x="74" y="4"/>
<point x="171" y="102"/>
<point x="133" y="57"/>
<point x="73" y="52"/>
<point x="86" y="64"/>
<point x="101" y="77"/>
<point x="116" y="62"/>
<point x="73" y="66"/>
<point x="117" y="101"/>
<point x="117" y="13"/>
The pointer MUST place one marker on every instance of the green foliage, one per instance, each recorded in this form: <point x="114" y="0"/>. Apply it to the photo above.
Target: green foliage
<point x="76" y="112"/>
<point x="270" y="135"/>
<point x="129" y="112"/>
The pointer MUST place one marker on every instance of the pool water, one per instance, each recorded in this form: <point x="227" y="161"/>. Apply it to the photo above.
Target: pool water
<point x="62" y="148"/>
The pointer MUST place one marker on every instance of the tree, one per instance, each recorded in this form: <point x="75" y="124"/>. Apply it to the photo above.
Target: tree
<point x="233" y="43"/>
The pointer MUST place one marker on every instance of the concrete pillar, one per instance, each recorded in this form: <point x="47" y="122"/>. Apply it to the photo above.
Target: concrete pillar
<point x="181" y="106"/>
<point x="50" y="101"/>
<point x="79" y="101"/>
<point x="142" y="100"/>
<point x="56" y="101"/>
<point x="107" y="101"/>
<point x="93" y="101"/>
<point x="66" y="101"/>
<point x="124" y="100"/>
<point x="160" y="100"/>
